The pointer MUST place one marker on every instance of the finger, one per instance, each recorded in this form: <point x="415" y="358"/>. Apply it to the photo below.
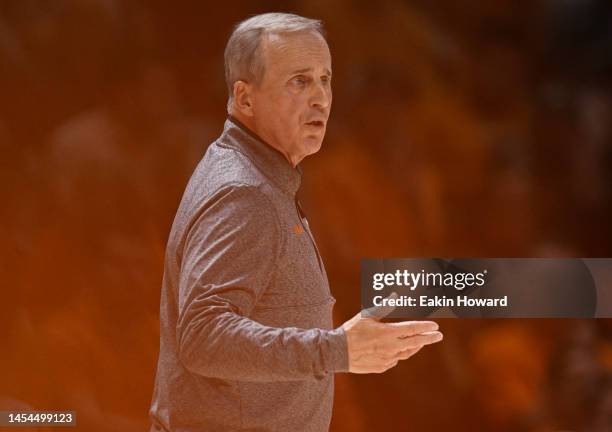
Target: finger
<point x="419" y="340"/>
<point x="416" y="341"/>
<point x="389" y="348"/>
<point x="379" y="312"/>
<point x="411" y="328"/>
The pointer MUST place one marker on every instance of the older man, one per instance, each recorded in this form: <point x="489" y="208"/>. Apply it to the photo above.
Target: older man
<point x="247" y="341"/>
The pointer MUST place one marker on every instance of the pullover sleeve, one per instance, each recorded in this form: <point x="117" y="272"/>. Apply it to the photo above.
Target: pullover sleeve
<point x="230" y="255"/>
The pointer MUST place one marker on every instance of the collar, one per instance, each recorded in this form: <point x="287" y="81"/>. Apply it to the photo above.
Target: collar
<point x="270" y="161"/>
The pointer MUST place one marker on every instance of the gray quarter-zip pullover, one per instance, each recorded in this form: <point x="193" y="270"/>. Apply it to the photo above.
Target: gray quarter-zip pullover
<point x="247" y="341"/>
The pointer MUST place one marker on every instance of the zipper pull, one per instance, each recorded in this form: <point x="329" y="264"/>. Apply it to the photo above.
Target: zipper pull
<point x="300" y="209"/>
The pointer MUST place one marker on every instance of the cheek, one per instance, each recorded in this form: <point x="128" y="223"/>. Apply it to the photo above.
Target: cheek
<point x="293" y="115"/>
<point x="286" y="114"/>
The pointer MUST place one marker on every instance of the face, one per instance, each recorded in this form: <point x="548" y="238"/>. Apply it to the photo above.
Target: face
<point x="291" y="104"/>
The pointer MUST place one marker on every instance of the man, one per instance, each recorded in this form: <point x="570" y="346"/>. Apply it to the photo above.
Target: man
<point x="247" y="341"/>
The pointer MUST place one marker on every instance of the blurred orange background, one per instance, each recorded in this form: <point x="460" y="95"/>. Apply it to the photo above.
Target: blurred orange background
<point x="458" y="129"/>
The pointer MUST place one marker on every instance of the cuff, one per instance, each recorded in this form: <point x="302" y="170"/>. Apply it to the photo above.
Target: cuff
<point x="337" y="351"/>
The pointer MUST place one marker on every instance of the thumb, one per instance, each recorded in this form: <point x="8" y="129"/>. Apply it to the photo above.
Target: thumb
<point x="379" y="312"/>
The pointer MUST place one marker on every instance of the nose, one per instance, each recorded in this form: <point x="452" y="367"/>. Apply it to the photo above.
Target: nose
<point x="321" y="96"/>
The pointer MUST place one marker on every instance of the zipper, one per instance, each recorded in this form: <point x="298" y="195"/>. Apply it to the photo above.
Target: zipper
<point x="302" y="216"/>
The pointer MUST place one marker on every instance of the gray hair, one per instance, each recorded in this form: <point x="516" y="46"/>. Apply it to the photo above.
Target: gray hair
<point x="243" y="60"/>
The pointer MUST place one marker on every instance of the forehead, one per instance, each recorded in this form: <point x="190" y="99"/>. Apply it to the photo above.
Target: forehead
<point x="286" y="52"/>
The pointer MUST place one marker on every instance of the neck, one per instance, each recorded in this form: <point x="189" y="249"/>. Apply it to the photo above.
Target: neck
<point x="248" y="123"/>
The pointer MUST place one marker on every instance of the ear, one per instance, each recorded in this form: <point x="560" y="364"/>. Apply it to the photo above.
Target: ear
<point x="243" y="102"/>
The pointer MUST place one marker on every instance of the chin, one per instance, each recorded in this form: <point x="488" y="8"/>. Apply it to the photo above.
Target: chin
<point x="312" y="146"/>
<point x="313" y="141"/>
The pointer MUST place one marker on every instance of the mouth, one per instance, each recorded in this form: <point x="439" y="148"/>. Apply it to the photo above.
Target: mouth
<point x="316" y="123"/>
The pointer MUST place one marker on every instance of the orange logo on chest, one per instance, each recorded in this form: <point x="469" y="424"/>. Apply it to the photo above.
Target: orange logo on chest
<point x="298" y="229"/>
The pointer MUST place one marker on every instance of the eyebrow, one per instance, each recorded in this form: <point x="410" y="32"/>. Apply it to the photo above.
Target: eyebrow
<point x="299" y="71"/>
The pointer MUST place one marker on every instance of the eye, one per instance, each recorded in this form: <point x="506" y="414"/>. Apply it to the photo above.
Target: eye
<point x="299" y="80"/>
<point x="326" y="79"/>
